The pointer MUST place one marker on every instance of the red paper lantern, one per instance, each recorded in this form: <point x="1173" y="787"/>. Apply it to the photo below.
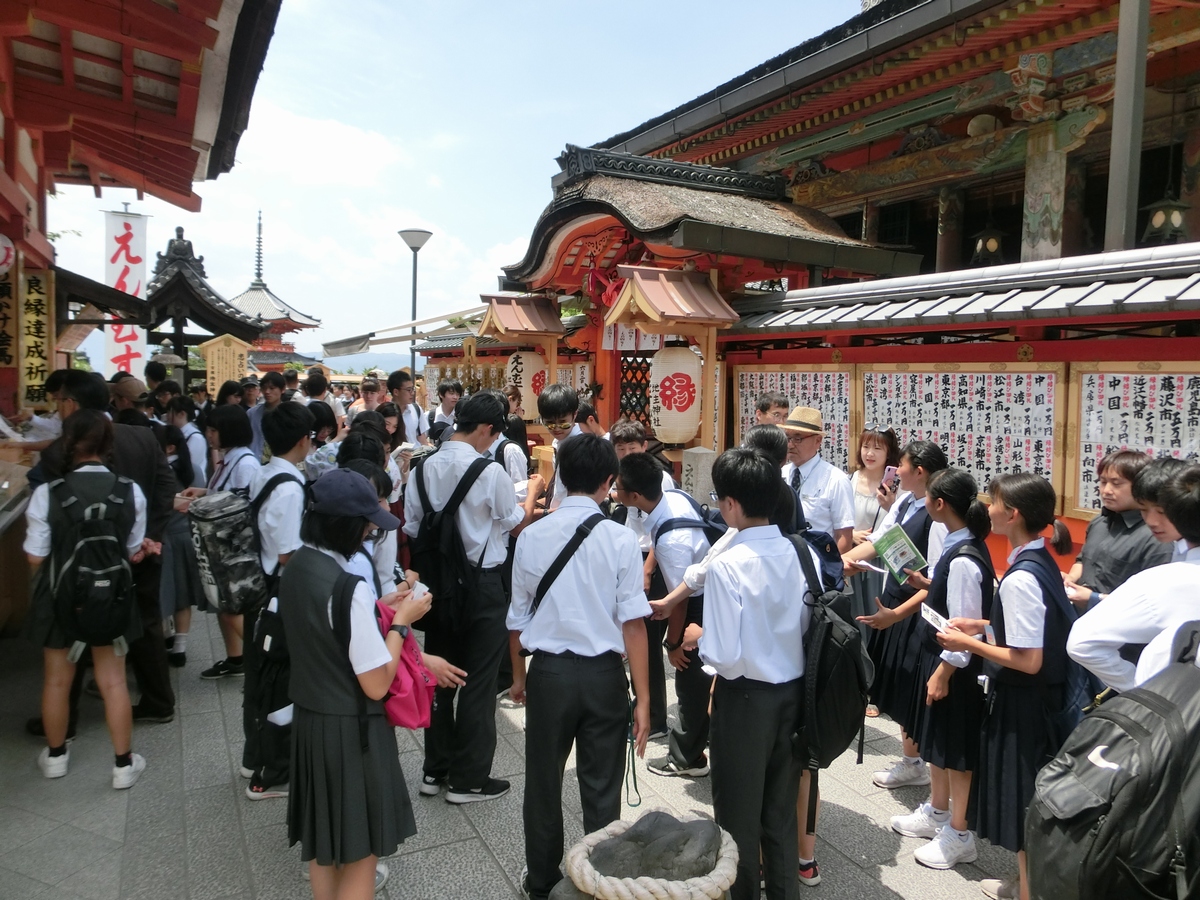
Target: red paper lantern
<point x="675" y="379"/>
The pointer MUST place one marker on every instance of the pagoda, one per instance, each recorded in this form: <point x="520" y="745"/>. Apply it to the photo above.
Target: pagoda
<point x="271" y="352"/>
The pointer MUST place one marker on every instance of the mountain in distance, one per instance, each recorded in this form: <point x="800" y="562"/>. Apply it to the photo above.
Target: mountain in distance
<point x="356" y="362"/>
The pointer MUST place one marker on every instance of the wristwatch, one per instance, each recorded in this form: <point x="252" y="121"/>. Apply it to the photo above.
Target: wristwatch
<point x="672" y="647"/>
<point x="401" y="630"/>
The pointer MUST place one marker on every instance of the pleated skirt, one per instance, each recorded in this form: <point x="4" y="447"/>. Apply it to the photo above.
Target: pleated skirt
<point x="180" y="585"/>
<point x="895" y="652"/>
<point x="948" y="731"/>
<point x="345" y="805"/>
<point x="1014" y="743"/>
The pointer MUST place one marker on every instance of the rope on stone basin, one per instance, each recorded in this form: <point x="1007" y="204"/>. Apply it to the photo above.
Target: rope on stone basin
<point x="605" y="887"/>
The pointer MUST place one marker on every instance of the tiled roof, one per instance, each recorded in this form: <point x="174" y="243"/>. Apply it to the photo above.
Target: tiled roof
<point x="678" y="296"/>
<point x="258" y="300"/>
<point x="510" y="312"/>
<point x="274" y="357"/>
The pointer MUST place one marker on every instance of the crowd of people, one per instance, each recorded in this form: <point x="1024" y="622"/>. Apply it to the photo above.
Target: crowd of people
<point x="584" y="575"/>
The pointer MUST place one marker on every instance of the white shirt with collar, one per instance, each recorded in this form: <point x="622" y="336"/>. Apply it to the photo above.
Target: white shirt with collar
<point x="37" y="517"/>
<point x="1157" y="655"/>
<point x="598" y="590"/>
<point x="198" y="450"/>
<point x="1181" y="551"/>
<point x="514" y="462"/>
<point x="368" y="650"/>
<point x="964" y="592"/>
<point x="1024" y="605"/>
<point x="235" y="471"/>
<point x="635" y="519"/>
<point x="488" y="512"/>
<point x="900" y="513"/>
<point x="560" y="492"/>
<point x="826" y="494"/>
<point x="1137" y="612"/>
<point x="447" y="417"/>
<point x="416" y="423"/>
<point x="753" y="625"/>
<point x="280" y="515"/>
<point x="675" y="550"/>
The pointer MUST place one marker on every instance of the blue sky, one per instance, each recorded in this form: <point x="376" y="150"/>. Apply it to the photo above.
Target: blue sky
<point x="446" y="116"/>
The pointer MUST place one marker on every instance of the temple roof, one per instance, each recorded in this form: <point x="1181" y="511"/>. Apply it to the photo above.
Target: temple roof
<point x="258" y="299"/>
<point x="276" y="357"/>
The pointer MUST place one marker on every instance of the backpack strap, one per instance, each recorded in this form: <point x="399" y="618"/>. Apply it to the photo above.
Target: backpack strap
<point x="806" y="566"/>
<point x="464" y="484"/>
<point x="258" y="502"/>
<point x="560" y="562"/>
<point x="422" y="494"/>
<point x="343" y="597"/>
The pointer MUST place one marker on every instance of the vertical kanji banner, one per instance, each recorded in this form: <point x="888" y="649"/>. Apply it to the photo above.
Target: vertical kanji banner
<point x="125" y="270"/>
<point x="9" y="320"/>
<point x="36" y="335"/>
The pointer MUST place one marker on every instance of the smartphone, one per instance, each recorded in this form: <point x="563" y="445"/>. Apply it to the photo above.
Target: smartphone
<point x="891" y="478"/>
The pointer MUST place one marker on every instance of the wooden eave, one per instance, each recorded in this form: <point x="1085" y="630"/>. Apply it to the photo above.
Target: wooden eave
<point x="668" y="297"/>
<point x="513" y="314"/>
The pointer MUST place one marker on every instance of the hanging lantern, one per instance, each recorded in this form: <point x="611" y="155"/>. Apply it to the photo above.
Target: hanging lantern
<point x="1165" y="224"/>
<point x="988" y="246"/>
<point x="527" y="371"/>
<point x="675" y="374"/>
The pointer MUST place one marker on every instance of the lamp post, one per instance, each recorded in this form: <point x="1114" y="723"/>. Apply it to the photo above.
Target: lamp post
<point x="415" y="238"/>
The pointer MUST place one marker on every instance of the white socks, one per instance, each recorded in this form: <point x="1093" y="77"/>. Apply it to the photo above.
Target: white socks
<point x="180" y="645"/>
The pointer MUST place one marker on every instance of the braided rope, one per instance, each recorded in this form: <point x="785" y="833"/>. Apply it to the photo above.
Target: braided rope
<point x="605" y="887"/>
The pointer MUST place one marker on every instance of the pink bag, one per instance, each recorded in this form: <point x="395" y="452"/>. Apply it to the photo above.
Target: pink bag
<point x="409" y="701"/>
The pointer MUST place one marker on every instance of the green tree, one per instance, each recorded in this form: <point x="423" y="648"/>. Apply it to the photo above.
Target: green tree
<point x="80" y="360"/>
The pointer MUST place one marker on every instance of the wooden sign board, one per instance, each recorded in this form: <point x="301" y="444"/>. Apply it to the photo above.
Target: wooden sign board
<point x="225" y="359"/>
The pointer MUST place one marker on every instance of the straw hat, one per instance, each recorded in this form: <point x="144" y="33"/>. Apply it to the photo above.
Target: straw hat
<point x="806" y="420"/>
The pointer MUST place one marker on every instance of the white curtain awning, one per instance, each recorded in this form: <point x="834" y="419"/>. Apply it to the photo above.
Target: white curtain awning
<point x="364" y="342"/>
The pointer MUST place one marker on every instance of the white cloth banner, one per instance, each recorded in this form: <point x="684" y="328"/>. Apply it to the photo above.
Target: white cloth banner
<point x="125" y="270"/>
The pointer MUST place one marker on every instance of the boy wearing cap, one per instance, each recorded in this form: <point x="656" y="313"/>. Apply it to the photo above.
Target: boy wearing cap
<point x="576" y="692"/>
<point x="824" y="490"/>
<point x="461" y="741"/>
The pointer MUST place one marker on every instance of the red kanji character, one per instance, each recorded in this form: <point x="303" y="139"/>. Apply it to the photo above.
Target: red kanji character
<point x="677" y="392"/>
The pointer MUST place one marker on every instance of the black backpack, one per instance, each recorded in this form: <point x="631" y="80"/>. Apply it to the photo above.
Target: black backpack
<point x="837" y="676"/>
<point x="710" y="520"/>
<point x="90" y="579"/>
<point x="437" y="551"/>
<point x="1117" y="812"/>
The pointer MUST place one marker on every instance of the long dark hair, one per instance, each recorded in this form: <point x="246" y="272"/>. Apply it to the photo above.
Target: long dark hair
<point x="959" y="490"/>
<point x="341" y="534"/>
<point x="228" y="389"/>
<point x="390" y="410"/>
<point x="1034" y="498"/>
<point x="171" y="436"/>
<point x="86" y="433"/>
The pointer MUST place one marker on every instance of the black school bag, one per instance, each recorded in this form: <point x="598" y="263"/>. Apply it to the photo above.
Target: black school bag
<point x="437" y="551"/>
<point x="1117" y="812"/>
<point x="833" y="569"/>
<point x="837" y="676"/>
<point x="90" y="579"/>
<point x="709" y="520"/>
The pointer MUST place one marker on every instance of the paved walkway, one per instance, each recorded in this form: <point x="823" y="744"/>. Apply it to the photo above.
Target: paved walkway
<point x="186" y="831"/>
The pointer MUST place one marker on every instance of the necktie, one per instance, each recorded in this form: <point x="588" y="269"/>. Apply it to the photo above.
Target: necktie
<point x="797" y="479"/>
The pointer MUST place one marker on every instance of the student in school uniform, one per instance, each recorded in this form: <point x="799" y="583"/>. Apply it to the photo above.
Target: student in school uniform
<point x="287" y="431"/>
<point x="1146" y="487"/>
<point x="461" y="740"/>
<point x="754" y="639"/>
<point x="893" y="647"/>
<point x="1026" y="667"/>
<point x="1149" y="602"/>
<point x="576" y="692"/>
<point x="640" y="486"/>
<point x="348" y="803"/>
<point x="557" y="407"/>
<point x="950" y="707"/>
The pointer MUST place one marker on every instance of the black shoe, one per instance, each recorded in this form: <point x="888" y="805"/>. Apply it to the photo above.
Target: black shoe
<point x="178" y="660"/>
<point x="223" y="669"/>
<point x="142" y="715"/>
<point x="34" y="726"/>
<point x="492" y="790"/>
<point x="92" y="689"/>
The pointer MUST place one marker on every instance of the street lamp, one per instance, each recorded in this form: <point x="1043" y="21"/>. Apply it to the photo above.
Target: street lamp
<point x="415" y="238"/>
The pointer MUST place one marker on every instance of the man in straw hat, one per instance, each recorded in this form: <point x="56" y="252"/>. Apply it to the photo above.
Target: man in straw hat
<point x="824" y="490"/>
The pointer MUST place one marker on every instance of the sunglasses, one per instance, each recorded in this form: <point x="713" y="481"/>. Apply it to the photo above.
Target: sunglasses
<point x="879" y="427"/>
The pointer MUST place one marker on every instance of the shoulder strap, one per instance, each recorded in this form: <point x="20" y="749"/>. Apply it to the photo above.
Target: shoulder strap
<point x="690" y="499"/>
<point x="422" y="494"/>
<point x="273" y="482"/>
<point x="343" y="597"/>
<point x="501" y="449"/>
<point x="560" y="562"/>
<point x="806" y="565"/>
<point x="464" y="484"/>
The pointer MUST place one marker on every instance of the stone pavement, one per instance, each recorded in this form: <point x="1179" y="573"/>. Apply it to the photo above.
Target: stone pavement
<point x="186" y="831"/>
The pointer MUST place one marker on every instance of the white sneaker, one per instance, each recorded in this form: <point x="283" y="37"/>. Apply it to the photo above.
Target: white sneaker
<point x="922" y="822"/>
<point x="381" y="875"/>
<point x="902" y="774"/>
<point x="1000" y="889"/>
<point x="126" y="776"/>
<point x="53" y="766"/>
<point x="947" y="850"/>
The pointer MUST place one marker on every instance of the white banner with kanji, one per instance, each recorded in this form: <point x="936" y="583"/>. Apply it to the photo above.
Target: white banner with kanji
<point x="125" y="270"/>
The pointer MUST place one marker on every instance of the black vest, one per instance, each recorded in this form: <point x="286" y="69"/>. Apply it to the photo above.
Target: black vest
<point x="1059" y="618"/>
<point x="917" y="529"/>
<point x="937" y="599"/>
<point x="321" y="677"/>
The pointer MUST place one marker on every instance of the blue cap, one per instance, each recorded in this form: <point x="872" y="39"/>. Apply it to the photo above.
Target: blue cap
<point x="344" y="492"/>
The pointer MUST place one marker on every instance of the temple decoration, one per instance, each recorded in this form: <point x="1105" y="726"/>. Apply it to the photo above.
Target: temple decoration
<point x="526" y="371"/>
<point x="675" y="407"/>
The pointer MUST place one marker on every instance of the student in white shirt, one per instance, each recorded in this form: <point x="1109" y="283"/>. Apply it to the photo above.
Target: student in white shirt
<point x="576" y="692"/>
<point x="1149" y="602"/>
<point x="754" y="639"/>
<point x="400" y="386"/>
<point x="557" y="406"/>
<point x="449" y="390"/>
<point x="460" y="743"/>
<point x="181" y="412"/>
<point x="675" y="548"/>
<point x="823" y="488"/>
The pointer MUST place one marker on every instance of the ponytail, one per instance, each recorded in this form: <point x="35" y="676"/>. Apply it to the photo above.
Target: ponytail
<point x="925" y="455"/>
<point x="1061" y="541"/>
<point x="1034" y="498"/>
<point x="959" y="490"/>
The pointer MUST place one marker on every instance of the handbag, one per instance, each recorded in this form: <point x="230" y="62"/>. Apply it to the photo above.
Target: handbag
<point x="409" y="700"/>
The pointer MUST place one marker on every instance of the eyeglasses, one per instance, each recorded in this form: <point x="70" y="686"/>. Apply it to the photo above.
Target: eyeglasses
<point x="801" y="438"/>
<point x="558" y="426"/>
<point x="712" y="495"/>
<point x="878" y="427"/>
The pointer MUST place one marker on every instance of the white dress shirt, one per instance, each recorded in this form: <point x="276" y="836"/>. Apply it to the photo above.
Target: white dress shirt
<point x="826" y="494"/>
<point x="514" y="462"/>
<point x="416" y="423"/>
<point x="368" y="649"/>
<point x="37" y="517"/>
<point x="681" y="547"/>
<point x="635" y="519"/>
<point x="559" y="492"/>
<point x="440" y="417"/>
<point x="488" y="512"/>
<point x="598" y="590"/>
<point x="235" y="471"/>
<point x="1138" y="611"/>
<point x="198" y="450"/>
<point x="964" y="592"/>
<point x="754" y="621"/>
<point x="1024" y="606"/>
<point x="937" y="531"/>
<point x="280" y="515"/>
<point x="696" y="574"/>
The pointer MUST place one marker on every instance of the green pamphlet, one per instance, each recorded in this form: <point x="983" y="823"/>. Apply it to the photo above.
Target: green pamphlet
<point x="898" y="553"/>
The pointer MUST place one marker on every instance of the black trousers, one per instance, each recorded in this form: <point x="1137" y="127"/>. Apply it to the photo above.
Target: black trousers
<point x="690" y="735"/>
<point x="460" y="744"/>
<point x="580" y="700"/>
<point x="755" y="780"/>
<point x="656" y="631"/>
<point x="147" y="655"/>
<point x="268" y="746"/>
